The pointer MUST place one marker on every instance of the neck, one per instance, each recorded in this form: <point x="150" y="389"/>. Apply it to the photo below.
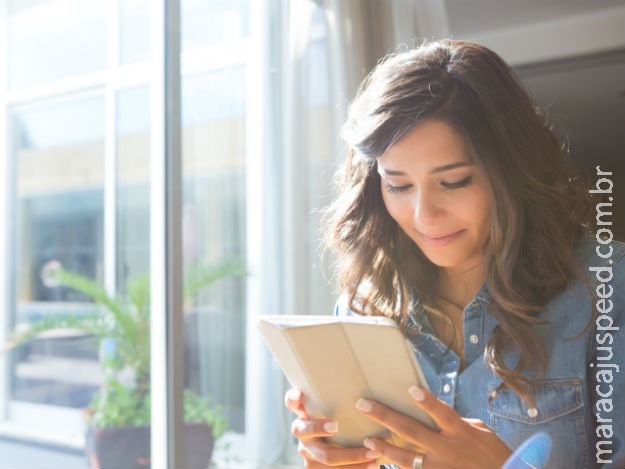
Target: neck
<point x="460" y="287"/>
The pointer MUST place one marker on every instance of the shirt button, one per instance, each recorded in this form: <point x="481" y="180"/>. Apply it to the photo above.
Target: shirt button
<point x="475" y="304"/>
<point x="446" y="388"/>
<point x="474" y="339"/>
<point x="533" y="412"/>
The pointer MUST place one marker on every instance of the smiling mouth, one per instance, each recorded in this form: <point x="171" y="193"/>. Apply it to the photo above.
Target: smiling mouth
<point x="439" y="241"/>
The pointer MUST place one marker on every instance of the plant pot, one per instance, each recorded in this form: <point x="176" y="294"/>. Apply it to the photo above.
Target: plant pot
<point x="129" y="447"/>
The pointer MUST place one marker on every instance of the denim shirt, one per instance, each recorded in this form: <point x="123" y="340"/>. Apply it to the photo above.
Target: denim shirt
<point x="583" y="363"/>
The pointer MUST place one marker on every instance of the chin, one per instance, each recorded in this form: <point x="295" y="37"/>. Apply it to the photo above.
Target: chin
<point x="444" y="264"/>
<point x="447" y="261"/>
<point x="441" y="261"/>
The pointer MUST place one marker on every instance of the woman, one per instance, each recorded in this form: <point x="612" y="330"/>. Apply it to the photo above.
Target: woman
<point x="461" y="218"/>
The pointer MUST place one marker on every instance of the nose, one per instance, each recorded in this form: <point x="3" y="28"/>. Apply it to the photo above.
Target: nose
<point x="426" y="208"/>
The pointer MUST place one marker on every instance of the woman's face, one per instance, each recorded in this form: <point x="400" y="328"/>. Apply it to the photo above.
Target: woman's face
<point x="437" y="196"/>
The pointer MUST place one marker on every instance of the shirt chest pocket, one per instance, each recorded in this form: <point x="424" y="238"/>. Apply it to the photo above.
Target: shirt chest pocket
<point x="552" y="399"/>
<point x="558" y="410"/>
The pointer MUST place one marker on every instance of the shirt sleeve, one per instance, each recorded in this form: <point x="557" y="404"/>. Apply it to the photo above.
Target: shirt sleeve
<point x="340" y="307"/>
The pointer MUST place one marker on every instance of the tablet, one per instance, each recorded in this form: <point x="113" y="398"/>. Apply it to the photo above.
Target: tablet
<point x="335" y="360"/>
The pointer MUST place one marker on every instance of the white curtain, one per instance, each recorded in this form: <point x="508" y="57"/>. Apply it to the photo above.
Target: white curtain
<point x="311" y="68"/>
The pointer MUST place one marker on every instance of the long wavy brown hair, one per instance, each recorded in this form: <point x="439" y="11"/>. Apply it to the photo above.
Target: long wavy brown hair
<point x="540" y="205"/>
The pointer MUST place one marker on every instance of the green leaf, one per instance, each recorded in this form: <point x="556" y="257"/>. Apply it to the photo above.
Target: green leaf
<point x="199" y="277"/>
<point x="126" y="320"/>
<point x="92" y="324"/>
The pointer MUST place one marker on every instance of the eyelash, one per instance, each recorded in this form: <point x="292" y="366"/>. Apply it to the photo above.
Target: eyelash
<point x="395" y="189"/>
<point x="459" y="184"/>
<point x="446" y="185"/>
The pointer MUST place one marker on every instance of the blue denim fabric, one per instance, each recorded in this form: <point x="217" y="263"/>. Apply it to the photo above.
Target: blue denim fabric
<point x="568" y="402"/>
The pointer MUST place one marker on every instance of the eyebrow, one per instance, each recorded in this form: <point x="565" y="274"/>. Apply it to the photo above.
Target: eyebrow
<point x="439" y="169"/>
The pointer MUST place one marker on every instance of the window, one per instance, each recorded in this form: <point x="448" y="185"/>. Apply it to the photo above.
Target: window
<point x="75" y="98"/>
<point x="59" y="213"/>
<point x="214" y="227"/>
<point x="42" y="39"/>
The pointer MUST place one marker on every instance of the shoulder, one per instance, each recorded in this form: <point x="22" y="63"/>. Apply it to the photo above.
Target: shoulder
<point x="603" y="263"/>
<point x="601" y="276"/>
<point x="341" y="307"/>
<point x="595" y="252"/>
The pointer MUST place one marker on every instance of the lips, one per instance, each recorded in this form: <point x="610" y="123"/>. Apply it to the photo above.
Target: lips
<point x="439" y="241"/>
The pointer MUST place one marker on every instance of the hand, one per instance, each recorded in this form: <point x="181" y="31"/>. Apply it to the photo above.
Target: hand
<point x="317" y="453"/>
<point x="460" y="443"/>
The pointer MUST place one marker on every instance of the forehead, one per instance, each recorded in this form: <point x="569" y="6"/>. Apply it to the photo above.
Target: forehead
<point x="430" y="142"/>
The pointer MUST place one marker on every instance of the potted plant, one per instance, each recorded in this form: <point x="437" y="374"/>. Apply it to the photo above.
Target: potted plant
<point x="118" y="419"/>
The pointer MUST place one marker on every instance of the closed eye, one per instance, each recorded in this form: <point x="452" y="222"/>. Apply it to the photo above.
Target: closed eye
<point x="458" y="184"/>
<point x="395" y="189"/>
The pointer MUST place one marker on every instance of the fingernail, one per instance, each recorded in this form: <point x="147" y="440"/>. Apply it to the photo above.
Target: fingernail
<point x="368" y="443"/>
<point x="373" y="465"/>
<point x="364" y="406"/>
<point x="331" y="427"/>
<point x="295" y="394"/>
<point x="301" y="426"/>
<point x="416" y="393"/>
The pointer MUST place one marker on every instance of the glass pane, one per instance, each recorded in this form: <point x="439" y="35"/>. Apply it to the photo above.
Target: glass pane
<point x="210" y="23"/>
<point x="133" y="188"/>
<point x="52" y="39"/>
<point x="59" y="212"/>
<point x="320" y="151"/>
<point x="134" y="31"/>
<point x="213" y="111"/>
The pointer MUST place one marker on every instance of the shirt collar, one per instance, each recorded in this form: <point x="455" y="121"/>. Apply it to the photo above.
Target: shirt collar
<point x="418" y="319"/>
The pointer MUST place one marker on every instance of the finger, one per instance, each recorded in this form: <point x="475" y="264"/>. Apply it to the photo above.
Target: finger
<point x="312" y="464"/>
<point x="446" y="417"/>
<point x="325" y="453"/>
<point x="477" y="423"/>
<point x="400" y="456"/>
<point x="312" y="428"/>
<point x="400" y="424"/>
<point x="293" y="400"/>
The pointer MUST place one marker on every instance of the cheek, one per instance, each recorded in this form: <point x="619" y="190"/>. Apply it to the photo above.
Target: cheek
<point x="482" y="212"/>
<point x="400" y="212"/>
